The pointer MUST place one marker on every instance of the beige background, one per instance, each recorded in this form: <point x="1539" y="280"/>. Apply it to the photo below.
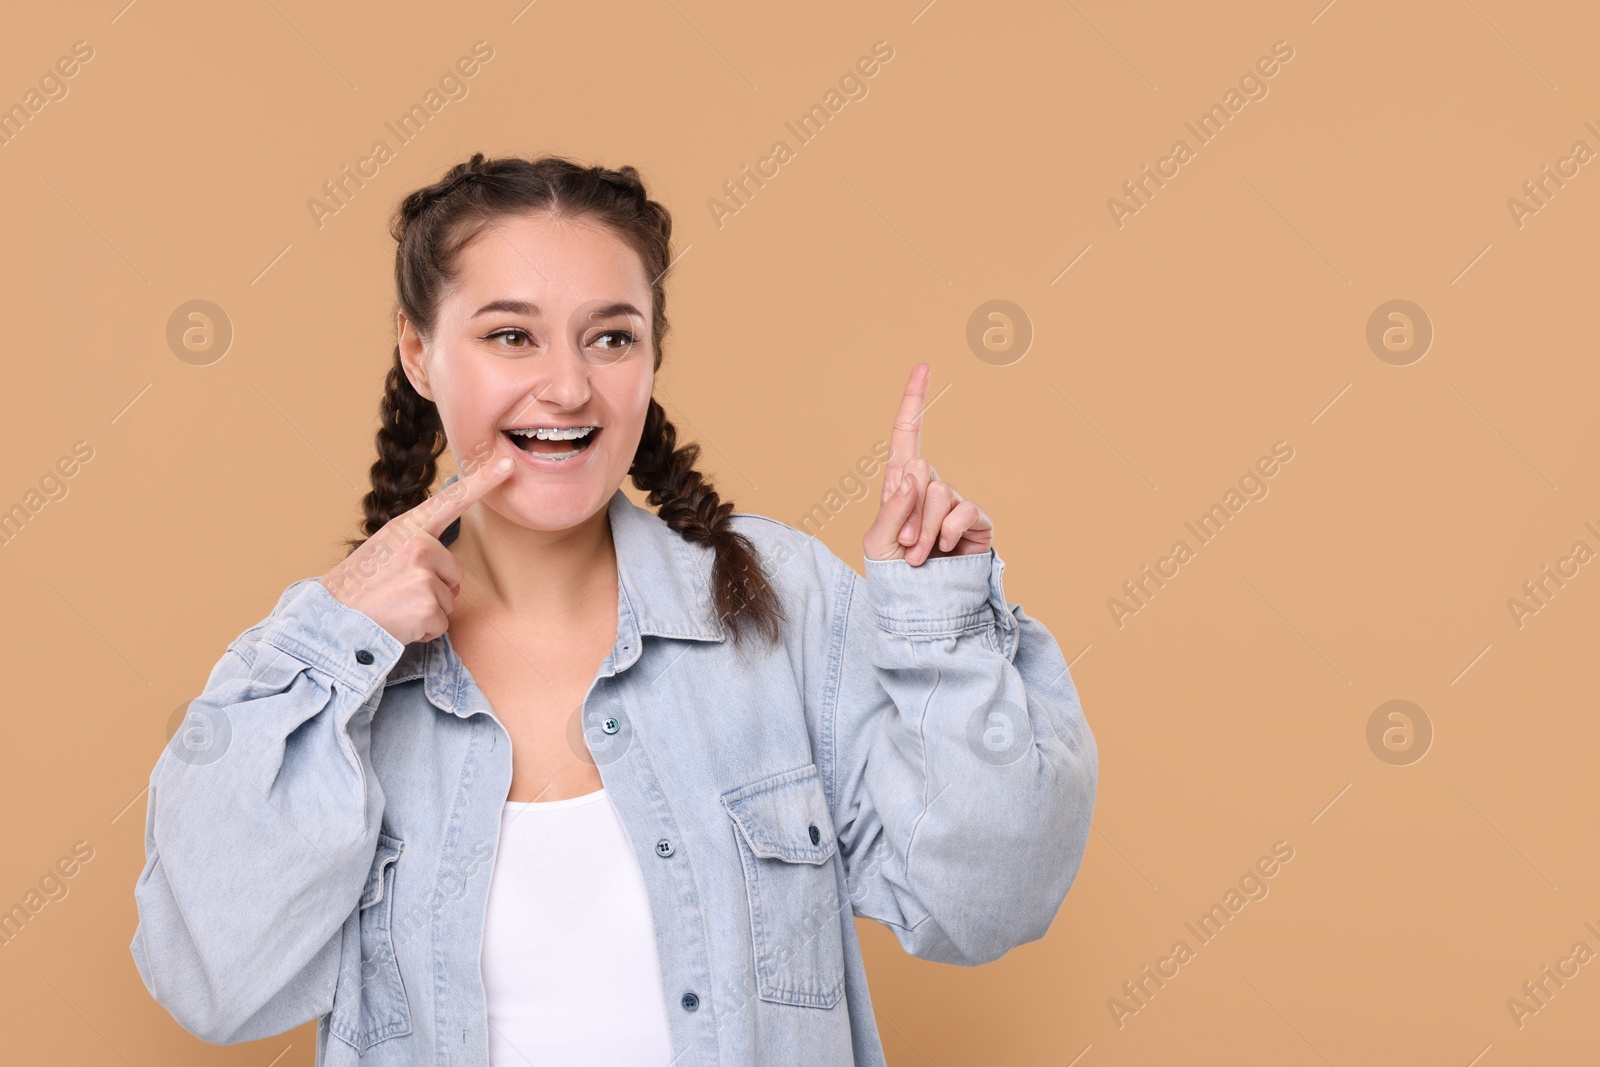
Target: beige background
<point x="1229" y="313"/>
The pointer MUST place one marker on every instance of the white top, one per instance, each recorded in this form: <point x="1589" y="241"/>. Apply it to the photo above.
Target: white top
<point x="569" y="951"/>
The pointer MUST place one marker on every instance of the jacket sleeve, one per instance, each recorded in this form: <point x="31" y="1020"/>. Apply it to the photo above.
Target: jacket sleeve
<point x="962" y="772"/>
<point x="262" y="823"/>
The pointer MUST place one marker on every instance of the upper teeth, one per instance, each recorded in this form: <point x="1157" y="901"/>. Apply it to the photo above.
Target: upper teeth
<point x="546" y="433"/>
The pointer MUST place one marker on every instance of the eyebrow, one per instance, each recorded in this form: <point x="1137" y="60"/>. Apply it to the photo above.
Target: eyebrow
<point x="531" y="310"/>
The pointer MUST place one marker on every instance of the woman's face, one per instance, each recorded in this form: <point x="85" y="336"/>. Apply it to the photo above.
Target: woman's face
<point x="546" y="326"/>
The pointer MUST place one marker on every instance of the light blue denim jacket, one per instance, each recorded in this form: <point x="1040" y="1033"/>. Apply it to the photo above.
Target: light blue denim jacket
<point x="321" y="833"/>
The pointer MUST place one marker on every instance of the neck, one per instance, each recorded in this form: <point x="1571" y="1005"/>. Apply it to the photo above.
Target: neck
<point x="535" y="574"/>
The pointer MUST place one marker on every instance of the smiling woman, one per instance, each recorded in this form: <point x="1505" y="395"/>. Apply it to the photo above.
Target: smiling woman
<point x="680" y="829"/>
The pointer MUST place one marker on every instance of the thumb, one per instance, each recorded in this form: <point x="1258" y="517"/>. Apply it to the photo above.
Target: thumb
<point x="882" y="540"/>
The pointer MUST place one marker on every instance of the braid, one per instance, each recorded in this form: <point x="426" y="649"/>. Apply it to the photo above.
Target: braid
<point x="410" y="441"/>
<point x="688" y="504"/>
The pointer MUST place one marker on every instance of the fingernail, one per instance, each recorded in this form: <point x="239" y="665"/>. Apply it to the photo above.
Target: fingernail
<point x="905" y="487"/>
<point x="504" y="464"/>
<point x="907" y="531"/>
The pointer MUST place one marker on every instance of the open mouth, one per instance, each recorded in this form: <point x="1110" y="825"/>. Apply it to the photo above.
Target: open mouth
<point x="554" y="443"/>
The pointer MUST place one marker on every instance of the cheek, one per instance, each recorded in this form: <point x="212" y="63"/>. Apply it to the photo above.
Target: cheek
<point x="628" y="403"/>
<point x="631" y="401"/>
<point x="470" y="406"/>
<point x="467" y="390"/>
<point x="644" y="381"/>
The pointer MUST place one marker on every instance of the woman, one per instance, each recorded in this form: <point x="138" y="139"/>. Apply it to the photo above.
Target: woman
<point x="721" y="743"/>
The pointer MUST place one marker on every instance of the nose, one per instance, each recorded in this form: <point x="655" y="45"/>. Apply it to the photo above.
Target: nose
<point x="562" y="377"/>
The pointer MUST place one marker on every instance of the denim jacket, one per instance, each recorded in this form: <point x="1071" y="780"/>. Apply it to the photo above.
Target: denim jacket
<point x="321" y="833"/>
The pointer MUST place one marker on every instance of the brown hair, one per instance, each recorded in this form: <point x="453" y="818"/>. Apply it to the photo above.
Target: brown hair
<point x="430" y="227"/>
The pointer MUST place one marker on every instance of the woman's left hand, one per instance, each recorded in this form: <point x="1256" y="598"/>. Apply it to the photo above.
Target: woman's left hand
<point x="920" y="517"/>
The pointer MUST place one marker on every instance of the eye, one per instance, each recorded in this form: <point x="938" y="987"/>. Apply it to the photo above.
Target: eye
<point x="507" y="332"/>
<point x="627" y="340"/>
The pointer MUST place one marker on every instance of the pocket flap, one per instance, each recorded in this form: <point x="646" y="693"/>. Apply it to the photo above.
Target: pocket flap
<point x="389" y="849"/>
<point x="784" y="816"/>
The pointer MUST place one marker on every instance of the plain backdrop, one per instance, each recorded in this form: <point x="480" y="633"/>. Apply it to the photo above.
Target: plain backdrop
<point x="1171" y="344"/>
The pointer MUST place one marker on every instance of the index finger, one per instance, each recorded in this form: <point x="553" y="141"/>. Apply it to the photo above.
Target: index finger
<point x="436" y="513"/>
<point x="905" y="440"/>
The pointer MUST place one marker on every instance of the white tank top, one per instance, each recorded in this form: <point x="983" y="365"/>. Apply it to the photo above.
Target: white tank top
<point x="569" y="952"/>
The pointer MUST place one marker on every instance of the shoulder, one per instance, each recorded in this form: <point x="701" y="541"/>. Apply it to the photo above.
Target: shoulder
<point x="791" y="557"/>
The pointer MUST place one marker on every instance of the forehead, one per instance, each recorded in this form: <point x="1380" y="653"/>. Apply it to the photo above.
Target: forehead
<point x="553" y="261"/>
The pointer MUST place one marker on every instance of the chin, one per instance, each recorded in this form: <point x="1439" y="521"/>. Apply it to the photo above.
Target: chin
<point x="553" y="504"/>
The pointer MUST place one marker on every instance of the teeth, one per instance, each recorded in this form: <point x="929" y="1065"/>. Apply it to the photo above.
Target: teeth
<point x="545" y="433"/>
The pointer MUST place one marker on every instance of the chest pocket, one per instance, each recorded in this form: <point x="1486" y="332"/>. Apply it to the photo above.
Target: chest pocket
<point x="786" y="842"/>
<point x="370" y="1003"/>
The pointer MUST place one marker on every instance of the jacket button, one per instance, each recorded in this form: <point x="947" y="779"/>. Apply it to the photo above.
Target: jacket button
<point x="610" y="726"/>
<point x="690" y="1002"/>
<point x="663" y="847"/>
<point x="816" y="835"/>
<point x="363" y="656"/>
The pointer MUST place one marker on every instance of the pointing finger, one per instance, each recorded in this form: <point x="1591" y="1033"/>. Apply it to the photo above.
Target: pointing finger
<point x="905" y="439"/>
<point x="436" y="513"/>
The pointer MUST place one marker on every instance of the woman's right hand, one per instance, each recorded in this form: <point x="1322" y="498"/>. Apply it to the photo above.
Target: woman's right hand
<point x="402" y="577"/>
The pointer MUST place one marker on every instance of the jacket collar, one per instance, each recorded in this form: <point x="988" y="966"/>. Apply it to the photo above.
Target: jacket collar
<point x="663" y="589"/>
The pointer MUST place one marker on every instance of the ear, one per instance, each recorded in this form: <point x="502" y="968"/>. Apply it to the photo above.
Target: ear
<point x="411" y="355"/>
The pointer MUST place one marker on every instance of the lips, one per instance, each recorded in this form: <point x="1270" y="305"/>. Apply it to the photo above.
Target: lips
<point x="557" y="449"/>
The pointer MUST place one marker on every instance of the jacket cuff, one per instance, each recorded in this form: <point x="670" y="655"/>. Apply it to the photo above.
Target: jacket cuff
<point x="945" y="595"/>
<point x="320" y="630"/>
